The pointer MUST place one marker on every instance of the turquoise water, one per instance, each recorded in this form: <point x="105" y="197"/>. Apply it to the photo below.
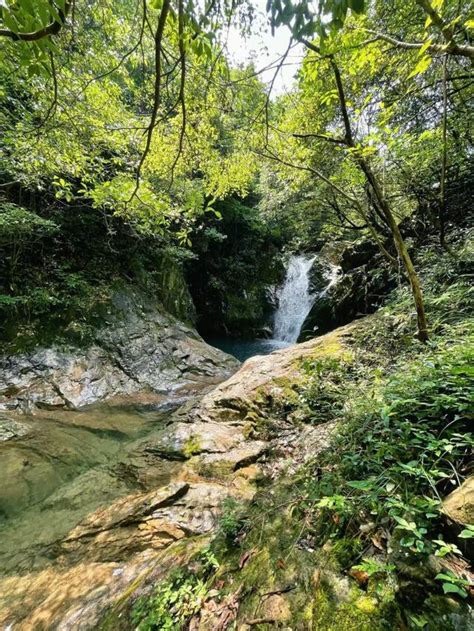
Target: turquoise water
<point x="243" y="349"/>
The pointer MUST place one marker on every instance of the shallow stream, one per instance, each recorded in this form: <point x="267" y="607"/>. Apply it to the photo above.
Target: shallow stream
<point x="67" y="464"/>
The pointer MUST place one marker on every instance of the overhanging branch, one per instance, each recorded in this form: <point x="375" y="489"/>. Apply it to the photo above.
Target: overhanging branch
<point x="52" y="28"/>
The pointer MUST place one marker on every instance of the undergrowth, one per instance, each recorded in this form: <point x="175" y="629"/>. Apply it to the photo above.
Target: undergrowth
<point x="405" y="440"/>
<point x="174" y="601"/>
<point x="405" y="445"/>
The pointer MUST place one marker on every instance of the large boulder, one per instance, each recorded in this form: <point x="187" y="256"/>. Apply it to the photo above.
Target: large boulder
<point x="139" y="347"/>
<point x="459" y="505"/>
<point x="359" y="290"/>
<point x="358" y="253"/>
<point x="320" y="275"/>
<point x="458" y="508"/>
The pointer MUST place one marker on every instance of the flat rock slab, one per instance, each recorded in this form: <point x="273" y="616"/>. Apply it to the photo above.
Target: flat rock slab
<point x="127" y="510"/>
<point x="183" y="440"/>
<point x="235" y="458"/>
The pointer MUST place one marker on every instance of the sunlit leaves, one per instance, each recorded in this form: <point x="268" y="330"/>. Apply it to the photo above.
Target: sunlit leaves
<point x="421" y="67"/>
<point x="89" y="149"/>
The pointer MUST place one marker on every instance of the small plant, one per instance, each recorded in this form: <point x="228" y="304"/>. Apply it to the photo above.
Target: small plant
<point x="453" y="584"/>
<point x="176" y="599"/>
<point x="467" y="533"/>
<point x="192" y="446"/>
<point x="323" y="395"/>
<point x="232" y="520"/>
<point x="372" y="567"/>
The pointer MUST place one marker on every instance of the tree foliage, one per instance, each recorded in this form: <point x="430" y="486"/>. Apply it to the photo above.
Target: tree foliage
<point x="133" y="109"/>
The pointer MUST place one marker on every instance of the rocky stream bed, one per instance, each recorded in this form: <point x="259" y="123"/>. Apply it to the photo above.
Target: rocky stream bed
<point x="98" y="502"/>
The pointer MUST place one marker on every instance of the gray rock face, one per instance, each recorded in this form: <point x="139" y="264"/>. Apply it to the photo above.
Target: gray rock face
<point x="140" y="347"/>
<point x="11" y="429"/>
<point x="360" y="289"/>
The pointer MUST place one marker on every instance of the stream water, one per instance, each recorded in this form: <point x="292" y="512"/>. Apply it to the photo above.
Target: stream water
<point x="66" y="465"/>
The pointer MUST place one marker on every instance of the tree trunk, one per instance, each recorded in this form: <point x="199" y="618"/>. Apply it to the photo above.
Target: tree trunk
<point x="401" y="249"/>
<point x="384" y="207"/>
<point x="380" y="198"/>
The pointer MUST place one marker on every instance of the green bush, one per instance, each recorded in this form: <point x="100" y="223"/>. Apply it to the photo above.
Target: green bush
<point x="404" y="447"/>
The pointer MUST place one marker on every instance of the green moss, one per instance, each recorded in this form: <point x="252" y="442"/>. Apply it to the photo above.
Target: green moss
<point x="192" y="446"/>
<point x="346" y="551"/>
<point x="333" y="611"/>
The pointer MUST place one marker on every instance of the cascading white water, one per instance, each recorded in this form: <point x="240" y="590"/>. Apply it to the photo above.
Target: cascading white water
<point x="295" y="300"/>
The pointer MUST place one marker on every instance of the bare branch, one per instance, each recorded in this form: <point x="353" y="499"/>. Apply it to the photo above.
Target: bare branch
<point x="272" y="83"/>
<point x="54" y="103"/>
<point x="454" y="49"/>
<point x="337" y="141"/>
<point x="182" y="81"/>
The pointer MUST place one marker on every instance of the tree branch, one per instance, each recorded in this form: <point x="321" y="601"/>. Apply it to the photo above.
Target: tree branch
<point x="454" y="49"/>
<point x="337" y="141"/>
<point x="157" y="92"/>
<point x="51" y="29"/>
<point x="181" y="96"/>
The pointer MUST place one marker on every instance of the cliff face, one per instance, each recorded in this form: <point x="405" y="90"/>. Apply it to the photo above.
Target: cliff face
<point x="138" y="347"/>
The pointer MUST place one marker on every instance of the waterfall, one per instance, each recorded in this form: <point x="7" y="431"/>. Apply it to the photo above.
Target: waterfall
<point x="295" y="299"/>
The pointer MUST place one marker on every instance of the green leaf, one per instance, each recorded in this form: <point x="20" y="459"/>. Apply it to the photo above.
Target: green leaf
<point x="450" y="588"/>
<point x="467" y="533"/>
<point x="363" y="485"/>
<point x="421" y="67"/>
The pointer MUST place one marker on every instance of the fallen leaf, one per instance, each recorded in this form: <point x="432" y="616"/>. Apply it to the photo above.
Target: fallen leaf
<point x="360" y="576"/>
<point x="245" y="558"/>
<point x="377" y="541"/>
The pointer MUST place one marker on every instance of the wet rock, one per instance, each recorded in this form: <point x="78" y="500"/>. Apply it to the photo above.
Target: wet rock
<point x="197" y="512"/>
<point x="10" y="429"/>
<point x="318" y="275"/>
<point x="357" y="254"/>
<point x="332" y="251"/>
<point x="144" y="521"/>
<point x="356" y="292"/>
<point x="235" y="458"/>
<point x="182" y="440"/>
<point x="139" y="348"/>
<point x="127" y="510"/>
<point x="125" y="527"/>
